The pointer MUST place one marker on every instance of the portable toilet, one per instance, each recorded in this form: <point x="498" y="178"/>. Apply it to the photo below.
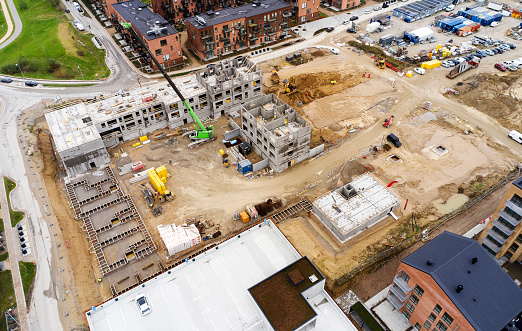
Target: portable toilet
<point x="244" y="166"/>
<point x="243" y="216"/>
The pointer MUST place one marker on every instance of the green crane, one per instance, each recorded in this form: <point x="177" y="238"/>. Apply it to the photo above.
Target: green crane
<point x="202" y="134"/>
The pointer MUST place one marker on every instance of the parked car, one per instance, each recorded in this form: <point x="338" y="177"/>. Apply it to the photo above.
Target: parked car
<point x="455" y="62"/>
<point x="489" y="52"/>
<point x="500" y="66"/>
<point x="512" y="68"/>
<point x="330" y="29"/>
<point x="6" y="80"/>
<point x="354" y="18"/>
<point x="367" y="11"/>
<point x="449" y="7"/>
<point x="67" y="10"/>
<point x="31" y="83"/>
<point x="494" y="50"/>
<point x="505" y="47"/>
<point x="479" y="55"/>
<point x="516" y="136"/>
<point x="376" y="8"/>
<point x="512" y="46"/>
<point x="494" y="24"/>
<point x="394" y="140"/>
<point x="77" y="6"/>
<point x="79" y="25"/>
<point x="447" y="64"/>
<point x="351" y="30"/>
<point x="143" y="305"/>
<point x="507" y="63"/>
<point x="346" y="22"/>
<point x="460" y="59"/>
<point x="420" y="71"/>
<point x="498" y="50"/>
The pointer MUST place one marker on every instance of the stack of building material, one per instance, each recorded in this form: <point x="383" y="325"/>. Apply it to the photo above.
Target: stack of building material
<point x="140" y="176"/>
<point x="179" y="238"/>
<point x="126" y="169"/>
<point x="481" y="15"/>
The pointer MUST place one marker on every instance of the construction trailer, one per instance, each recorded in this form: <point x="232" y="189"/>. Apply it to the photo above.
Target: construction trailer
<point x="420" y="9"/>
<point x="418" y="35"/>
<point x="355" y="207"/>
<point x="275" y="131"/>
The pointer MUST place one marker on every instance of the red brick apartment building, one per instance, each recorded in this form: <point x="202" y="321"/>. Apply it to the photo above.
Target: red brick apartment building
<point x="502" y="236"/>
<point x="161" y="38"/>
<point x="343" y="4"/>
<point x="178" y="10"/>
<point x="452" y="283"/>
<point x="220" y="33"/>
<point x="304" y="10"/>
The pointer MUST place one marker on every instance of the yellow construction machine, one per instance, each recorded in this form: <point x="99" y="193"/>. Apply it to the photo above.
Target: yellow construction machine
<point x="274" y="77"/>
<point x="381" y="64"/>
<point x="290" y="87"/>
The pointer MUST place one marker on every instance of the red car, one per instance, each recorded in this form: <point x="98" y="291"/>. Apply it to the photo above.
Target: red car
<point x="500" y="66"/>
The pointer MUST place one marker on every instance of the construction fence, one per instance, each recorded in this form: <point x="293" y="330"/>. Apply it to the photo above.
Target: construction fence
<point x="431" y="228"/>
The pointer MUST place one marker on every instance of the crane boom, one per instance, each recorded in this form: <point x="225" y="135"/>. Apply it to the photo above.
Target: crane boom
<point x="202" y="131"/>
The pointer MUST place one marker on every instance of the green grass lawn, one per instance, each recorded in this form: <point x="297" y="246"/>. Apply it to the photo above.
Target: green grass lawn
<point x="27" y="271"/>
<point x="7" y="295"/>
<point x="16" y="216"/>
<point x="4" y="256"/>
<point x="3" y="25"/>
<point x="50" y="47"/>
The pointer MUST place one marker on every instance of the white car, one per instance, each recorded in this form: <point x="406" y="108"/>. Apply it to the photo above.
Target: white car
<point x="449" y="8"/>
<point x="420" y="71"/>
<point x="367" y="11"/>
<point x="505" y="47"/>
<point x="447" y="64"/>
<point x="143" y="305"/>
<point x="494" y="24"/>
<point x="79" y="25"/>
<point x="460" y="59"/>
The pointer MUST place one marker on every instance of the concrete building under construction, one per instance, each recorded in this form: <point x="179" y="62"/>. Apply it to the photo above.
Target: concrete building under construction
<point x="275" y="131"/>
<point x="82" y="131"/>
<point x="355" y="207"/>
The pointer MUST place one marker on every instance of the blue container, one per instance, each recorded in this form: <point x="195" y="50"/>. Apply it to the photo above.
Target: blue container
<point x="244" y="167"/>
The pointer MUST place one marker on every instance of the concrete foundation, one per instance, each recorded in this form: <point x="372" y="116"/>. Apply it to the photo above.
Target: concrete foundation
<point x="355" y="207"/>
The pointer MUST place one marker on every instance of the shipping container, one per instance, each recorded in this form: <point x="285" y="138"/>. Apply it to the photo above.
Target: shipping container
<point x="244" y="166"/>
<point x="430" y="64"/>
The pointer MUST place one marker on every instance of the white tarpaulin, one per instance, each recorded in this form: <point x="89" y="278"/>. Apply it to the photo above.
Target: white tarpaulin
<point x="495" y="6"/>
<point x="372" y="27"/>
<point x="179" y="238"/>
<point x="424" y="33"/>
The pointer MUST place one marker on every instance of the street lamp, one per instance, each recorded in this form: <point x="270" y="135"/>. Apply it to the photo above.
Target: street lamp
<point x="81" y="72"/>
<point x="20" y="70"/>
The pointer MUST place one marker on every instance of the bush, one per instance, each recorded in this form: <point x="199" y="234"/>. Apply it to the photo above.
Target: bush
<point x="23" y="5"/>
<point x="80" y="53"/>
<point x="53" y="66"/>
<point x="10" y="69"/>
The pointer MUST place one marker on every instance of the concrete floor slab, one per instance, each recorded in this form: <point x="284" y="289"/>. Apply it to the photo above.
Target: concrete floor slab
<point x="390" y="316"/>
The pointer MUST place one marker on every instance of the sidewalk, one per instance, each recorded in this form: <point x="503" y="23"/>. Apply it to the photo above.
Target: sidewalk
<point x="10" y="26"/>
<point x="14" y="251"/>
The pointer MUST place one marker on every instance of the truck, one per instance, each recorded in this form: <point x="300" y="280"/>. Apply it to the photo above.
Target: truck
<point x="463" y="67"/>
<point x="516" y="136"/>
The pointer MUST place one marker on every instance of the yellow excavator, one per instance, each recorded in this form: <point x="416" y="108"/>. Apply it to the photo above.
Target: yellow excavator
<point x="381" y="64"/>
<point x="274" y="77"/>
<point x="290" y="87"/>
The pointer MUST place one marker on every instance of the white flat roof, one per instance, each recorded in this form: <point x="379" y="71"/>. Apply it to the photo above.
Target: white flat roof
<point x="211" y="292"/>
<point x="371" y="199"/>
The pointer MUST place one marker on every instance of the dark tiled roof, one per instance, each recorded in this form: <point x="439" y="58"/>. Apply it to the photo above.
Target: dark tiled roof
<point x="234" y="13"/>
<point x="490" y="299"/>
<point x="143" y="19"/>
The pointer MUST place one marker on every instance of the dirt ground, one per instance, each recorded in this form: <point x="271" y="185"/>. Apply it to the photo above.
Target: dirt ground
<point x="496" y="95"/>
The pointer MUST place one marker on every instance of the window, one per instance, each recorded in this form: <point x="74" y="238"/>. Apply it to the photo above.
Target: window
<point x="508" y="225"/>
<point x="447" y="318"/>
<point x="418" y="290"/>
<point x="492" y="252"/>
<point x="414" y="299"/>
<point x="406" y="314"/>
<point x="499" y="232"/>
<point x="308" y="11"/>
<point x="517" y="200"/>
<point x="179" y="53"/>
<point x="404" y="276"/>
<point x="432" y="317"/>
<point x="163" y="42"/>
<point x="410" y="307"/>
<point x="166" y="57"/>
<point x="512" y="213"/>
<point x="441" y="326"/>
<point x="495" y="241"/>
<point x="513" y="247"/>
<point x="427" y="325"/>
<point x="519" y="239"/>
<point x="437" y="309"/>
<point x="417" y="327"/>
<point x="159" y="52"/>
<point x="304" y="5"/>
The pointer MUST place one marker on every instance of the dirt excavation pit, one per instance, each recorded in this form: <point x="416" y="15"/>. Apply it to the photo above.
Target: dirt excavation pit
<point x="495" y="95"/>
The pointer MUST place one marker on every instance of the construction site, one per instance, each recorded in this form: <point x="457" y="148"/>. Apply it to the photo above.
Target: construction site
<point x="151" y="183"/>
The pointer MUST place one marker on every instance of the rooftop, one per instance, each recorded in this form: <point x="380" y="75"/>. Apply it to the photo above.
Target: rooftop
<point x="356" y="202"/>
<point x="75" y="125"/>
<point x="518" y="183"/>
<point x="149" y="24"/>
<point x="490" y="299"/>
<point x="211" y="293"/>
<point x="235" y="13"/>
<point x="280" y="295"/>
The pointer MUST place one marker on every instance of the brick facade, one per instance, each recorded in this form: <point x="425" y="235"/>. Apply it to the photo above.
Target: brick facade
<point x="164" y="44"/>
<point x="304" y="10"/>
<point x="177" y="10"/>
<point x="432" y="295"/>
<point x="343" y="4"/>
<point x="239" y="32"/>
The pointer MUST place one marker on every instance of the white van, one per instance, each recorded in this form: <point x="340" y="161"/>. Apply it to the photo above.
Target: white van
<point x="516" y="136"/>
<point x="77" y="6"/>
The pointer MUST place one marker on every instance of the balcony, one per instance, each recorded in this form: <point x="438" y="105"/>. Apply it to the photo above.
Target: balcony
<point x="224" y="39"/>
<point x="287" y="14"/>
<point x="210" y="42"/>
<point x="206" y="36"/>
<point x="514" y="207"/>
<point x="226" y="29"/>
<point x="271" y="19"/>
<point x="252" y="25"/>
<point x="508" y="218"/>
<point x="271" y="33"/>
<point x="403" y="285"/>
<point x="399" y="293"/>
<point x="252" y="38"/>
<point x="496" y="236"/>
<point x="394" y="301"/>
<point x="283" y="23"/>
<point x="502" y="227"/>
<point x="493" y="246"/>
